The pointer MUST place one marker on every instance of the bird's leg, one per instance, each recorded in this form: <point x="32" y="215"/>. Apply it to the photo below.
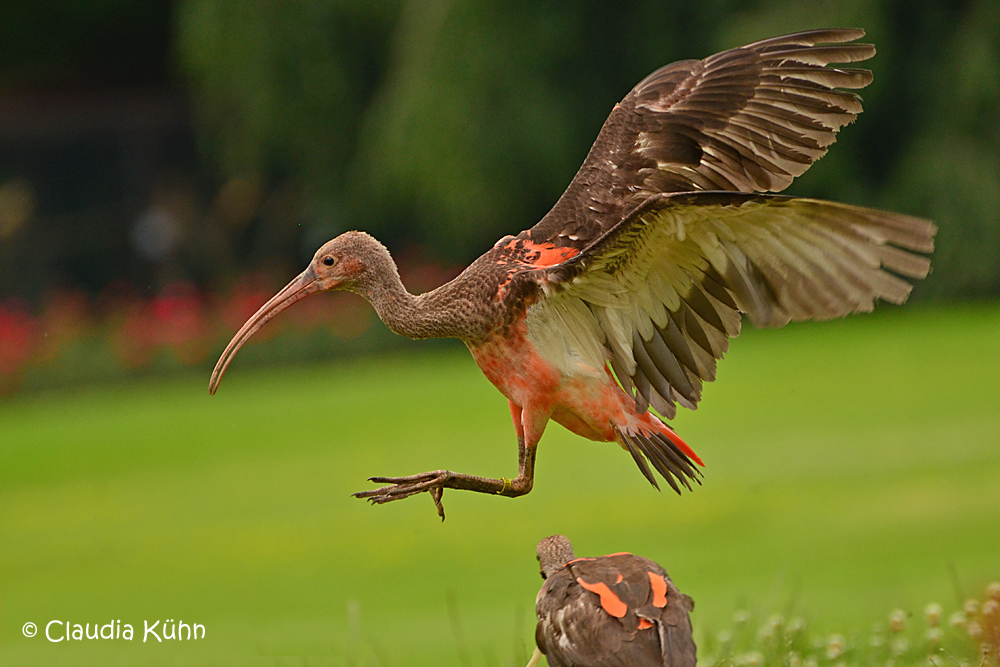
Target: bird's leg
<point x="436" y="481"/>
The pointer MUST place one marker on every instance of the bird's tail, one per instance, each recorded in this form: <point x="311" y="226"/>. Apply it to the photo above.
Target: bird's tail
<point x="670" y="455"/>
<point x="672" y="436"/>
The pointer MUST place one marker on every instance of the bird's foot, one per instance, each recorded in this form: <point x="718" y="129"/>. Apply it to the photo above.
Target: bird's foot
<point x="403" y="487"/>
<point x="436" y="481"/>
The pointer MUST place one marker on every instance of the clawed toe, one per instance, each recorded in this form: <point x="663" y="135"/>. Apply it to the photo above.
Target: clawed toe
<point x="436" y="481"/>
<point x="398" y="488"/>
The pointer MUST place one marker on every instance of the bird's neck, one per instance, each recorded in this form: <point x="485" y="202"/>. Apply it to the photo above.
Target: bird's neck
<point x="424" y="316"/>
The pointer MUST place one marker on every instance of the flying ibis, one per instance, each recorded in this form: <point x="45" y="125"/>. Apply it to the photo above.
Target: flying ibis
<point x="627" y="292"/>
<point x="610" y="611"/>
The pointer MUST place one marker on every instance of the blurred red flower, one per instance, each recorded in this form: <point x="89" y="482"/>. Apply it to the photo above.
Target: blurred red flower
<point x="18" y="337"/>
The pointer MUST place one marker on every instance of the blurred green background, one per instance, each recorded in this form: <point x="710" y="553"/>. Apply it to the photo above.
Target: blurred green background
<point x="166" y="164"/>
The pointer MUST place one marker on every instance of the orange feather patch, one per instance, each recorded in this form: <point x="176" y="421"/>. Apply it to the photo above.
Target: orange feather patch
<point x="659" y="585"/>
<point x="609" y="601"/>
<point x="643" y="624"/>
<point x="547" y="254"/>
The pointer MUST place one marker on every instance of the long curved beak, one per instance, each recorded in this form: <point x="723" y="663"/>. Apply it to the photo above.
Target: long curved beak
<point x="302" y="286"/>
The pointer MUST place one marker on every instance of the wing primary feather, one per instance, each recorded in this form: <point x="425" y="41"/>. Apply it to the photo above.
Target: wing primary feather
<point x="755" y="295"/>
<point x="665" y="362"/>
<point x="729" y="317"/>
<point x="692" y="328"/>
<point x="901" y="230"/>
<point x="624" y="379"/>
<point x="708" y="337"/>
<point x="822" y="55"/>
<point x="810" y="37"/>
<point x="801" y="144"/>
<point x="828" y="281"/>
<point x="711" y="282"/>
<point x="824" y="122"/>
<point x="827" y="77"/>
<point x="653" y="374"/>
<point x="642" y="389"/>
<point x="674" y="340"/>
<point x="904" y="263"/>
<point x="666" y="406"/>
<point x="748" y="131"/>
<point x="823" y="102"/>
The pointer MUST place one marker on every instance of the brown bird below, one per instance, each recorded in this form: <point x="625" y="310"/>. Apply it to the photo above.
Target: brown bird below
<point x="611" y="611"/>
<point x="627" y="292"/>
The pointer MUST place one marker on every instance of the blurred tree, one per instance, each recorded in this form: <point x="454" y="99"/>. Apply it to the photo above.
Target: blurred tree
<point x="950" y="167"/>
<point x="282" y="87"/>
<point x="452" y="122"/>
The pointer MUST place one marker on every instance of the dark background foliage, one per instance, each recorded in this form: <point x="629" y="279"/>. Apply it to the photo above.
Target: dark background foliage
<point x="198" y="140"/>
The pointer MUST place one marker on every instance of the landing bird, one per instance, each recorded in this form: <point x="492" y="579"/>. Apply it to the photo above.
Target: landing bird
<point x="628" y="291"/>
<point x="610" y="611"/>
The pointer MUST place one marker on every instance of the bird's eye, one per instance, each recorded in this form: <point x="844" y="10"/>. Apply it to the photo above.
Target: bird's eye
<point x="329" y="261"/>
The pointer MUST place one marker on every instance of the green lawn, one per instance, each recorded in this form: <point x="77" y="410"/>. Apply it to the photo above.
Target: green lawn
<point x="853" y="467"/>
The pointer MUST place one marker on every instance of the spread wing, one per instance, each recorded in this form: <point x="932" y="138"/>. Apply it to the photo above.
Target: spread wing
<point x="659" y="295"/>
<point x="747" y="119"/>
<point x="614" y="610"/>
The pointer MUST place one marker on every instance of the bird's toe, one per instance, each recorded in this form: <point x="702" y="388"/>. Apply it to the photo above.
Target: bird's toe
<point x="398" y="488"/>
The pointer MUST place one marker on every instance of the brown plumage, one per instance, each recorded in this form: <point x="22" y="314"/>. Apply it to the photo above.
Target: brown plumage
<point x="627" y="292"/>
<point x="613" y="611"/>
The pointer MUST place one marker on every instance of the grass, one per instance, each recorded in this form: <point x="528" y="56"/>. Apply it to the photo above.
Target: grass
<point x="853" y="467"/>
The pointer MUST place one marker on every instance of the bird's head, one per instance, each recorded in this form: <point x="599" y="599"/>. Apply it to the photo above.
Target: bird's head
<point x="345" y="263"/>
<point x="553" y="552"/>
